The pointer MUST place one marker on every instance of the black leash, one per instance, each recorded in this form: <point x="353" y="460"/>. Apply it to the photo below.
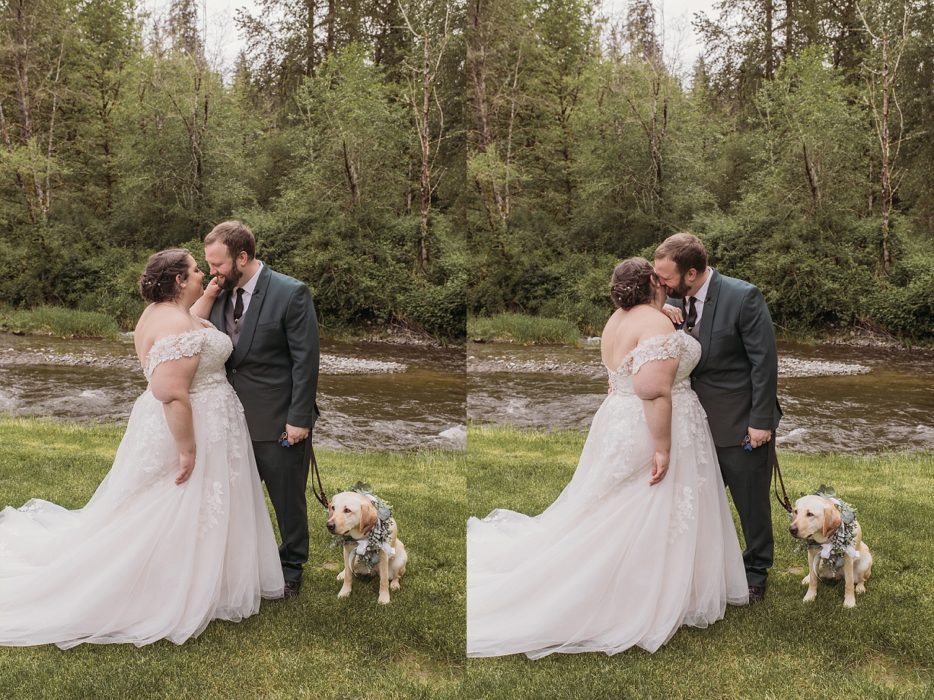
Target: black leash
<point x="783" y="500"/>
<point x="316" y="476"/>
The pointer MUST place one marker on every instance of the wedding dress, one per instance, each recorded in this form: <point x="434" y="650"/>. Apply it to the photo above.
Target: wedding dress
<point x="147" y="559"/>
<point x="613" y="562"/>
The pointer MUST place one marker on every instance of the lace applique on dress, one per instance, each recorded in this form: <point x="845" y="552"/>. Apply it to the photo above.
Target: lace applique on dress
<point x="174" y="347"/>
<point x="684" y="513"/>
<point x="658" y="347"/>
<point x="213" y="508"/>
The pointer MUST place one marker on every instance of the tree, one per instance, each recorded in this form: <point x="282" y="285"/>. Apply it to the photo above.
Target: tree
<point x="431" y="36"/>
<point x="889" y="35"/>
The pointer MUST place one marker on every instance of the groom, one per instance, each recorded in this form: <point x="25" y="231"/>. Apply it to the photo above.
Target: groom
<point x="271" y="321"/>
<point x="736" y="381"/>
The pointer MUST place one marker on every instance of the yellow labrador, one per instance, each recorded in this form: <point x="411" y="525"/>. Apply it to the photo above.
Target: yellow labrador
<point x="819" y="520"/>
<point x="369" y="541"/>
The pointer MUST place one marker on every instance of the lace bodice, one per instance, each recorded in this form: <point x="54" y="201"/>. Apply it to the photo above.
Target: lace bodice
<point x="213" y="346"/>
<point x="658" y="347"/>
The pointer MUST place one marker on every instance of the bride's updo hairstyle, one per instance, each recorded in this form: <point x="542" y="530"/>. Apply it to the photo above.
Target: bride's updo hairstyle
<point x="631" y="283"/>
<point x="157" y="282"/>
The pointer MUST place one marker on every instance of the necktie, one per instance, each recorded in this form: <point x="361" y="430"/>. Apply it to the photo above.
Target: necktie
<point x="238" y="305"/>
<point x="691" y="320"/>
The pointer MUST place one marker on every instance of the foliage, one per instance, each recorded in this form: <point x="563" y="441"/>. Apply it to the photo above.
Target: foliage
<point x="121" y="138"/>
<point x="589" y="147"/>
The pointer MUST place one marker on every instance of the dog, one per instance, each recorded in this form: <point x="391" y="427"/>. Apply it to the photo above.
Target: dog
<point x="818" y="518"/>
<point x="370" y="538"/>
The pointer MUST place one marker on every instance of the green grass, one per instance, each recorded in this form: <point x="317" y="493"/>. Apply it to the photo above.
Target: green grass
<point x="782" y="648"/>
<point x="315" y="646"/>
<point x="519" y="328"/>
<point x="58" y="321"/>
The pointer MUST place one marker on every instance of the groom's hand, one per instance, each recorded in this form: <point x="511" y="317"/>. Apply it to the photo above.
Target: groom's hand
<point x="294" y="434"/>
<point x="757" y="437"/>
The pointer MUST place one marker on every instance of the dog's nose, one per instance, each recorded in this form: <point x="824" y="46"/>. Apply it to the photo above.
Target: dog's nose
<point x="331" y="527"/>
<point x="794" y="530"/>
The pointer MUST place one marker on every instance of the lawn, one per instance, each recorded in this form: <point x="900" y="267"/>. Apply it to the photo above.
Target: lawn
<point x="315" y="646"/>
<point x="781" y="648"/>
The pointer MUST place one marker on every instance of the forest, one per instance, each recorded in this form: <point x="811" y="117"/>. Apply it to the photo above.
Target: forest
<point x="415" y="161"/>
<point x="798" y="147"/>
<point x="338" y="135"/>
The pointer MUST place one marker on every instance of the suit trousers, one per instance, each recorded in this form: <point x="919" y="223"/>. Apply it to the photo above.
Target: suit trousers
<point x="748" y="477"/>
<point x="284" y="470"/>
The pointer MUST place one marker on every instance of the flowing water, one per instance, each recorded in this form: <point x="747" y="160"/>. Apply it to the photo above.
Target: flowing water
<point x="384" y="396"/>
<point x="835" y="398"/>
<point x="371" y="395"/>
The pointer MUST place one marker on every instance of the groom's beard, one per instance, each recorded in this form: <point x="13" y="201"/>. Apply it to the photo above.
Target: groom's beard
<point x="678" y="292"/>
<point x="230" y="281"/>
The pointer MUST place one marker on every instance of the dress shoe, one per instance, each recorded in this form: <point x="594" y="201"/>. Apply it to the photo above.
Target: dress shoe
<point x="756" y="594"/>
<point x="291" y="589"/>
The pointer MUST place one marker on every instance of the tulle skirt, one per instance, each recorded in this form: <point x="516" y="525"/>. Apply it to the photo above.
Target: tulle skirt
<point x="613" y="563"/>
<point x="145" y="559"/>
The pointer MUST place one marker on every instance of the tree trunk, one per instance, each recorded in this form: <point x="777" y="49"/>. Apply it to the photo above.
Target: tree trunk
<point x="885" y="143"/>
<point x="350" y="169"/>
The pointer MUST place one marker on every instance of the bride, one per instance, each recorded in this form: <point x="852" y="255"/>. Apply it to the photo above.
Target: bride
<point x="641" y="540"/>
<point x="177" y="534"/>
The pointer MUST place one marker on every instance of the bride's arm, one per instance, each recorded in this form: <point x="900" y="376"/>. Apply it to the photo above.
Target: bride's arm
<point x="652" y="383"/>
<point x="169" y="383"/>
<point x="202" y="307"/>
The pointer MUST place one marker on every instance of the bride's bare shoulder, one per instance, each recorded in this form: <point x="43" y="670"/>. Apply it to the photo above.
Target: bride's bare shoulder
<point x="653" y="322"/>
<point x="158" y="322"/>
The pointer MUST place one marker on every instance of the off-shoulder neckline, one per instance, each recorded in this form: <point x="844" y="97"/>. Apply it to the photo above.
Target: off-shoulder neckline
<point x="145" y="366"/>
<point x="628" y="355"/>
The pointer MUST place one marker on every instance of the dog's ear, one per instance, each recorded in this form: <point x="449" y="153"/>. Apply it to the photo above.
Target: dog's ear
<point x="368" y="515"/>
<point x="832" y="519"/>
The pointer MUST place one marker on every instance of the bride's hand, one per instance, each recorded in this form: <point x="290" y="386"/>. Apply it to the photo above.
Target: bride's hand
<point x="659" y="467"/>
<point x="186" y="465"/>
<point x="673" y="313"/>
<point x="213" y="290"/>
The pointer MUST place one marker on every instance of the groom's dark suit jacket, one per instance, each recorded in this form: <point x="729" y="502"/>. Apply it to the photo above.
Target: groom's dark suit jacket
<point x="274" y="368"/>
<point x="736" y="378"/>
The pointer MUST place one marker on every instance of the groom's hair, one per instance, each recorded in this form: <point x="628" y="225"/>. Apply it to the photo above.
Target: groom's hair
<point x="236" y="235"/>
<point x="686" y="250"/>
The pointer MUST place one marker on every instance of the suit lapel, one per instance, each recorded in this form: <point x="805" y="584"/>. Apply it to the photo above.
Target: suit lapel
<point x="218" y="317"/>
<point x="707" y="319"/>
<point x="250" y="318"/>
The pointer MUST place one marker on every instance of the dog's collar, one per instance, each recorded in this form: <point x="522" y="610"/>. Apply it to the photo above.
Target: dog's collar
<point x="369" y="548"/>
<point x="842" y="540"/>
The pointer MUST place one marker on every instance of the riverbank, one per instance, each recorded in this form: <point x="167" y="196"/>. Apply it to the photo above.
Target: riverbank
<point x="307" y="647"/>
<point x="883" y="648"/>
<point x="523" y="329"/>
<point x="57" y="321"/>
<point x="60" y="322"/>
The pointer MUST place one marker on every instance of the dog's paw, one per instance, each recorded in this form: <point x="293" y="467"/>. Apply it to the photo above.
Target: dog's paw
<point x="394" y="585"/>
<point x="860" y="587"/>
<point x="344" y="592"/>
<point x="806" y="580"/>
<point x="809" y="596"/>
<point x="849" y="601"/>
<point x="383" y="599"/>
<point x="340" y="576"/>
